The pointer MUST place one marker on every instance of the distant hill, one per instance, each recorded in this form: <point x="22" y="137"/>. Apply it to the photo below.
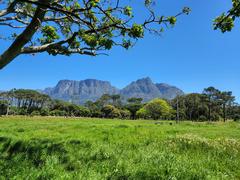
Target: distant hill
<point x="91" y="89"/>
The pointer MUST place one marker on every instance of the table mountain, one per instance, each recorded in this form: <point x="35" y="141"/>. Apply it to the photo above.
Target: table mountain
<point x="91" y="89"/>
<point x="80" y="91"/>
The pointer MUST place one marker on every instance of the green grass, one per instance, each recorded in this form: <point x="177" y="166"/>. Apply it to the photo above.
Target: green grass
<point x="62" y="148"/>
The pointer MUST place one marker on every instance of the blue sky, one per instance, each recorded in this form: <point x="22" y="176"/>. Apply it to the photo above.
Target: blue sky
<point x="191" y="56"/>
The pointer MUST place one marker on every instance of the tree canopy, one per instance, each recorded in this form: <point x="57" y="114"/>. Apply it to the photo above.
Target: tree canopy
<point x="85" y="27"/>
<point x="155" y="109"/>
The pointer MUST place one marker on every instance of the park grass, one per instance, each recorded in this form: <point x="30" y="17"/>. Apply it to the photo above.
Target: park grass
<point x="84" y="148"/>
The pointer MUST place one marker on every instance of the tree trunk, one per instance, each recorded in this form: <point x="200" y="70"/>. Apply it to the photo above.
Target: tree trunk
<point x="15" y="49"/>
<point x="177" y="111"/>
<point x="190" y="116"/>
<point x="209" y="113"/>
<point x="8" y="107"/>
<point x="224" y="112"/>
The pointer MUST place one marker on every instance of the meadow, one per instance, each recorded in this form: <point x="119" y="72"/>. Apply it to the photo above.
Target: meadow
<point x="84" y="148"/>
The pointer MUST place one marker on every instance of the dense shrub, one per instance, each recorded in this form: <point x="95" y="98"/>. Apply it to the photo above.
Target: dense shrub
<point x="57" y="113"/>
<point x="13" y="111"/>
<point x="125" y="114"/>
<point x="202" y="118"/>
<point x="95" y="113"/>
<point x="22" y="111"/>
<point x="80" y="111"/>
<point x="35" y="113"/>
<point x="70" y="109"/>
<point x="142" y="113"/>
<point x="215" y="117"/>
<point x="110" y="111"/>
<point x="236" y="117"/>
<point x="44" y="112"/>
<point x="3" y="107"/>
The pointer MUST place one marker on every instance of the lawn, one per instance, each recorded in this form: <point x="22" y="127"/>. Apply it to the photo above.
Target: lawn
<point x="82" y="148"/>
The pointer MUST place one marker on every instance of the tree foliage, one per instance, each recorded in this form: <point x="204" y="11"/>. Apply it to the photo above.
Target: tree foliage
<point x="225" y="22"/>
<point x="110" y="111"/>
<point x="155" y="109"/>
<point x="3" y="107"/>
<point x="65" y="27"/>
<point x="133" y="105"/>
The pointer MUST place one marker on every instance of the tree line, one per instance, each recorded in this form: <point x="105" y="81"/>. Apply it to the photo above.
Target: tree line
<point x="210" y="105"/>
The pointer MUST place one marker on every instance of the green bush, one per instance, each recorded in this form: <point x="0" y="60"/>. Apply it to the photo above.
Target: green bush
<point x="215" y="117"/>
<point x="236" y="117"/>
<point x="110" y="111"/>
<point x="13" y="111"/>
<point x="44" y="112"/>
<point x="58" y="113"/>
<point x="70" y="109"/>
<point x="3" y="107"/>
<point x="125" y="114"/>
<point x="22" y="111"/>
<point x="142" y="113"/>
<point x="80" y="111"/>
<point x="202" y="118"/>
<point x="35" y="113"/>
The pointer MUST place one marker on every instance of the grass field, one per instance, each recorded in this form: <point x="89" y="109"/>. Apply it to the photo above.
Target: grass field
<point x="60" y="148"/>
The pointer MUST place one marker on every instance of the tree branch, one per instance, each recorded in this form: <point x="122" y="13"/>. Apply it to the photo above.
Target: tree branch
<point x="9" y="9"/>
<point x="15" y="49"/>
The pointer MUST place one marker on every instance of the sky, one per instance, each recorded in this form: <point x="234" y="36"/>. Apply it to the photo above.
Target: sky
<point x="191" y="56"/>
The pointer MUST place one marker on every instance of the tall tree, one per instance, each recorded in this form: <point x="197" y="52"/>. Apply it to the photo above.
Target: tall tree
<point x="192" y="105"/>
<point x="178" y="104"/>
<point x="3" y="107"/>
<point x="5" y="102"/>
<point x="8" y="97"/>
<point x="226" y="99"/>
<point x="211" y="97"/>
<point x="116" y="100"/>
<point x="65" y="27"/>
<point x="104" y="100"/>
<point x="133" y="105"/>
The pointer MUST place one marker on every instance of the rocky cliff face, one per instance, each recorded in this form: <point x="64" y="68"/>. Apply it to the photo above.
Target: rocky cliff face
<point x="168" y="91"/>
<point x="80" y="91"/>
<point x="91" y="89"/>
<point x="142" y="88"/>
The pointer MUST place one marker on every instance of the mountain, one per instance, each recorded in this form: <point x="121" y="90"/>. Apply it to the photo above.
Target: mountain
<point x="80" y="91"/>
<point x="142" y="88"/>
<point x="168" y="91"/>
<point x="91" y="89"/>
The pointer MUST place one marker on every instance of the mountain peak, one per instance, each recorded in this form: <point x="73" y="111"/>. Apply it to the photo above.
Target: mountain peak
<point x="145" y="79"/>
<point x="142" y="88"/>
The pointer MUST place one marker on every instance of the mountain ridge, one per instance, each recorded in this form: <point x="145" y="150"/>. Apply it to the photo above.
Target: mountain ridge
<point x="91" y="89"/>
